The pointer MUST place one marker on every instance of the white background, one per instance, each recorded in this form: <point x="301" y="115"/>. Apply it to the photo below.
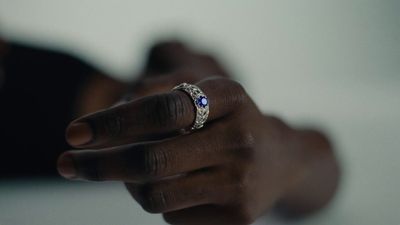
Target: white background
<point x="333" y="64"/>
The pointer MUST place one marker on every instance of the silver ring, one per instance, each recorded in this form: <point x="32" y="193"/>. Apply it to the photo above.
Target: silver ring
<point x="200" y="102"/>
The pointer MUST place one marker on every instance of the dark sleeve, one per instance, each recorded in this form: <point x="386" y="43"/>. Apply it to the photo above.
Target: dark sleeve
<point x="37" y="100"/>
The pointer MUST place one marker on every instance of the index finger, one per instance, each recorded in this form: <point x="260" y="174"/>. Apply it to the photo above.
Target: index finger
<point x="151" y="117"/>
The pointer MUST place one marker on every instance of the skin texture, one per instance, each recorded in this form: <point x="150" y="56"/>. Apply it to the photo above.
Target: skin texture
<point x="239" y="166"/>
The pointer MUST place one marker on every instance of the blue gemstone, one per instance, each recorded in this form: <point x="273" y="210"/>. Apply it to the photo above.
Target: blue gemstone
<point x="202" y="101"/>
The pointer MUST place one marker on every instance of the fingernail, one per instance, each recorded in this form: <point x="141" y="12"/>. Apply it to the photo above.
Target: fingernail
<point x="66" y="167"/>
<point x="79" y="134"/>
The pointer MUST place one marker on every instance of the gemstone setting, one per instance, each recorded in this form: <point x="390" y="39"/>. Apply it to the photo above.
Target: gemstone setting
<point x="202" y="101"/>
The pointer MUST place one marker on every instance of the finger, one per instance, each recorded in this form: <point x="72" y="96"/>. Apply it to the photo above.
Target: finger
<point x="207" y="214"/>
<point x="203" y="187"/>
<point x="151" y="161"/>
<point x="209" y="64"/>
<point x="148" y="118"/>
<point x="165" y="57"/>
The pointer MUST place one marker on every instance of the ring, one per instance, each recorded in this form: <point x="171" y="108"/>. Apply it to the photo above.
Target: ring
<point x="200" y="102"/>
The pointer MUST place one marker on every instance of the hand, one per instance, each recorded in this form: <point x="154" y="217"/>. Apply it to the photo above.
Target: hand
<point x="229" y="172"/>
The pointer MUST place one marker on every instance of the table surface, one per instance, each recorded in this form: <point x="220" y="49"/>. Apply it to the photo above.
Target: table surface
<point x="333" y="64"/>
<point x="56" y="201"/>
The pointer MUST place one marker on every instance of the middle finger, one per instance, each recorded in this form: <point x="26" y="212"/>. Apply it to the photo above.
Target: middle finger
<point x="148" y="118"/>
<point x="144" y="162"/>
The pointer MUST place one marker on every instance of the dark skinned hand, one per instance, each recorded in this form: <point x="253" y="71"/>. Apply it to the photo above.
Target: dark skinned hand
<point x="237" y="167"/>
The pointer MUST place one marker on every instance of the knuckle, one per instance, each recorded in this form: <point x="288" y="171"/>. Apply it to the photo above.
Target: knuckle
<point x="245" y="142"/>
<point x="154" y="162"/>
<point x="166" y="109"/>
<point x="233" y="90"/>
<point x="245" y="138"/>
<point x="145" y="161"/>
<point x="237" y="90"/>
<point x="154" y="200"/>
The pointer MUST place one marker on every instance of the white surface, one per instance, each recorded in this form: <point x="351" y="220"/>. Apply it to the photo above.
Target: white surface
<point x="332" y="63"/>
<point x="45" y="202"/>
<point x="55" y="202"/>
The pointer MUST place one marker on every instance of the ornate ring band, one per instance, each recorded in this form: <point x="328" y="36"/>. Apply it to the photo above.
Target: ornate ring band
<point x="200" y="102"/>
